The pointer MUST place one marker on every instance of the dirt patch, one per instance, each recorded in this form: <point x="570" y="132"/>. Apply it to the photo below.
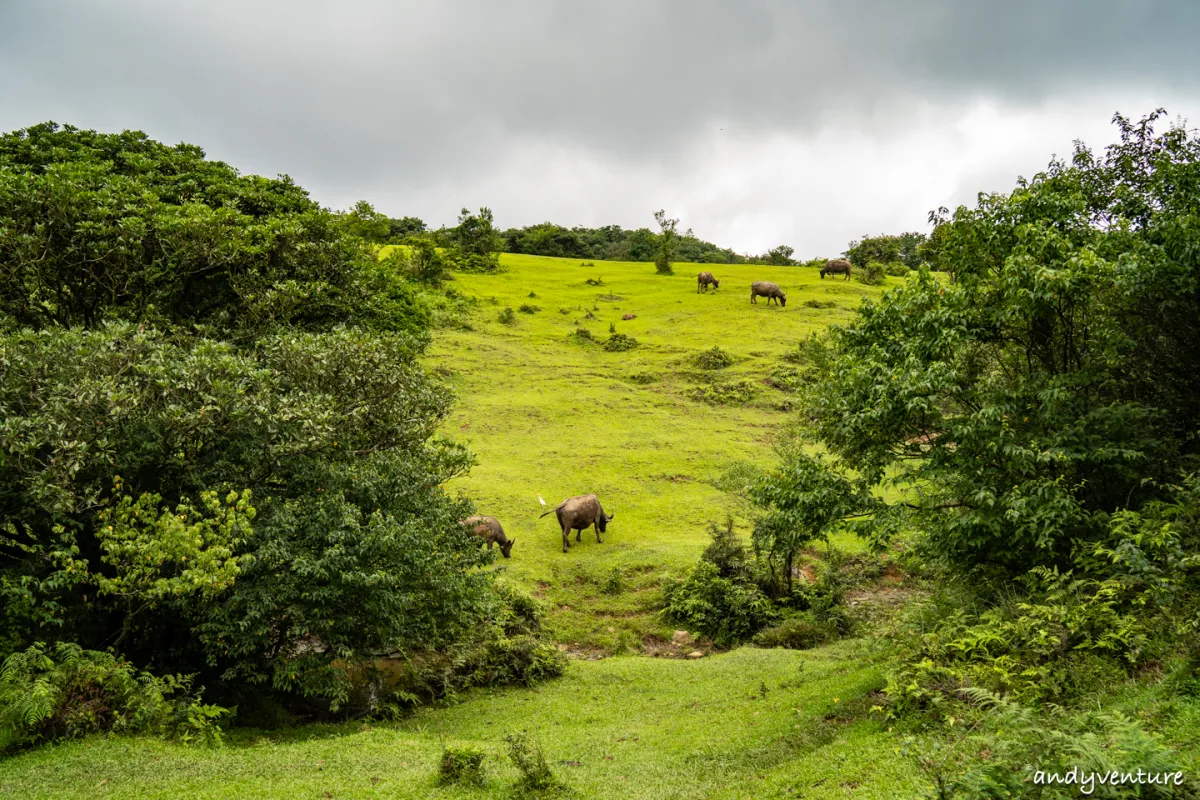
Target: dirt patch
<point x="891" y="596"/>
<point x="892" y="576"/>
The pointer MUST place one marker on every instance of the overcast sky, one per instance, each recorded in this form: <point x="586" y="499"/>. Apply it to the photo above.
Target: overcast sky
<point x="756" y="122"/>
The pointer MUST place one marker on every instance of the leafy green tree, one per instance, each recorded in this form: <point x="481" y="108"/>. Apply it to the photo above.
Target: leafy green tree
<point x="780" y="256"/>
<point x="401" y="229"/>
<point x="1055" y="383"/>
<point x="668" y="243"/>
<point x="365" y="223"/>
<point x="176" y="339"/>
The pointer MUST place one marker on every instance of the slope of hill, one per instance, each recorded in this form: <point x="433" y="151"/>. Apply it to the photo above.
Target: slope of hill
<point x="645" y="429"/>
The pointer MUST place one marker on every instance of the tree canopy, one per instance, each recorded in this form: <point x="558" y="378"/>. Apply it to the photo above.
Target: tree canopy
<point x="1055" y="382"/>
<point x="217" y="446"/>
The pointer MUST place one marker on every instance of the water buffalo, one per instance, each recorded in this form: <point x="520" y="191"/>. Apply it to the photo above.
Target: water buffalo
<point x="836" y="267"/>
<point x="704" y="279"/>
<point x="488" y="529"/>
<point x="577" y="513"/>
<point x="769" y="290"/>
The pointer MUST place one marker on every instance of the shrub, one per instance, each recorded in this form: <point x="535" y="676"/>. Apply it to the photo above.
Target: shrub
<point x="620" y="342"/>
<point x="586" y="264"/>
<point x="507" y="317"/>
<point x="715" y="358"/>
<point x="65" y="692"/>
<point x="532" y="295"/>
<point x="564" y="311"/>
<point x="461" y="766"/>
<point x="726" y="552"/>
<point x="820" y="303"/>
<point x="527" y="757"/>
<point x="898" y="270"/>
<point x="527" y="308"/>
<point x="614" y="582"/>
<point x="584" y="333"/>
<point x="786" y="378"/>
<point x="724" y="610"/>
<point x="612" y="327"/>
<point x="798" y="632"/>
<point x="737" y="392"/>
<point x="1008" y="750"/>
<point x="873" y="274"/>
<point x="595" y="282"/>
<point x="643" y="378"/>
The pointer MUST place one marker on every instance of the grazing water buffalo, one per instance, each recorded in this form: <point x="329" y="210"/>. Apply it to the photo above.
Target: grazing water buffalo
<point x="769" y="290"/>
<point x="836" y="267"/>
<point x="704" y="279"/>
<point x="488" y="529"/>
<point x="577" y="513"/>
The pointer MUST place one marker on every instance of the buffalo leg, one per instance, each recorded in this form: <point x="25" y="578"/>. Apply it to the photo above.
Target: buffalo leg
<point x="566" y="539"/>
<point x="598" y="532"/>
<point x="579" y="535"/>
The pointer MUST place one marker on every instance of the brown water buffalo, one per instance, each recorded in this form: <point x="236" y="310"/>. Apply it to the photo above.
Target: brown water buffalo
<point x="769" y="290"/>
<point x="577" y="513"/>
<point x="704" y="279"/>
<point x="837" y="266"/>
<point x="488" y="529"/>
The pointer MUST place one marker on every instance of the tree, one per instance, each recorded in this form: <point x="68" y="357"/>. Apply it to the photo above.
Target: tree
<point x="668" y="243"/>
<point x="176" y="339"/>
<point x="780" y="256"/>
<point x="1056" y="383"/>
<point x="364" y="222"/>
<point x="476" y="235"/>
<point x="401" y="229"/>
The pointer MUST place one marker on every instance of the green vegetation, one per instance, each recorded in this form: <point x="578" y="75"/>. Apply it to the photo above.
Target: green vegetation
<point x="990" y="480"/>
<point x="219" y="445"/>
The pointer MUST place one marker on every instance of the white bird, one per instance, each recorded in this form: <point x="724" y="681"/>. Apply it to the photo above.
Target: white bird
<point x="540" y="500"/>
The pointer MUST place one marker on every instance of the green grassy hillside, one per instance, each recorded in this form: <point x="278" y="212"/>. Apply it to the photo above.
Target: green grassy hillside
<point x="629" y="728"/>
<point x="549" y="413"/>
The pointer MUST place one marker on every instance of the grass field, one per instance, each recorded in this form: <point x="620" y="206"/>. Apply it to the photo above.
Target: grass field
<point x="750" y="723"/>
<point x="549" y="413"/>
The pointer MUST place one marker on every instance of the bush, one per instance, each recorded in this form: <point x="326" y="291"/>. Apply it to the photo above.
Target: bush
<point x="898" y="270"/>
<point x="527" y="308"/>
<point x="739" y="392"/>
<point x="726" y="552"/>
<point x="643" y="378"/>
<point x="873" y="274"/>
<point x="66" y="692"/>
<point x="620" y="342"/>
<point x="799" y="632"/>
<point x="507" y="317"/>
<point x="820" y="304"/>
<point x="614" y="582"/>
<point x="715" y="358"/>
<point x="786" y="378"/>
<point x="461" y="766"/>
<point x="584" y="334"/>
<point x="612" y="327"/>
<point x="527" y="757"/>
<point x="724" y="610"/>
<point x="1008" y="750"/>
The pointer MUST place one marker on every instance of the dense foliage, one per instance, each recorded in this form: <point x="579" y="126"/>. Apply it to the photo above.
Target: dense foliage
<point x="1029" y="426"/>
<point x="1051" y="385"/>
<point x="65" y="692"/>
<point x="217" y="448"/>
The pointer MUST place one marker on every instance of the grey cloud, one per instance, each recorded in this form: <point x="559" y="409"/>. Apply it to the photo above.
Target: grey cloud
<point x="359" y="97"/>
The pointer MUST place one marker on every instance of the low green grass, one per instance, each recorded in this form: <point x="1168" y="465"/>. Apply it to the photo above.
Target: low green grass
<point x="552" y="414"/>
<point x="749" y="723"/>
